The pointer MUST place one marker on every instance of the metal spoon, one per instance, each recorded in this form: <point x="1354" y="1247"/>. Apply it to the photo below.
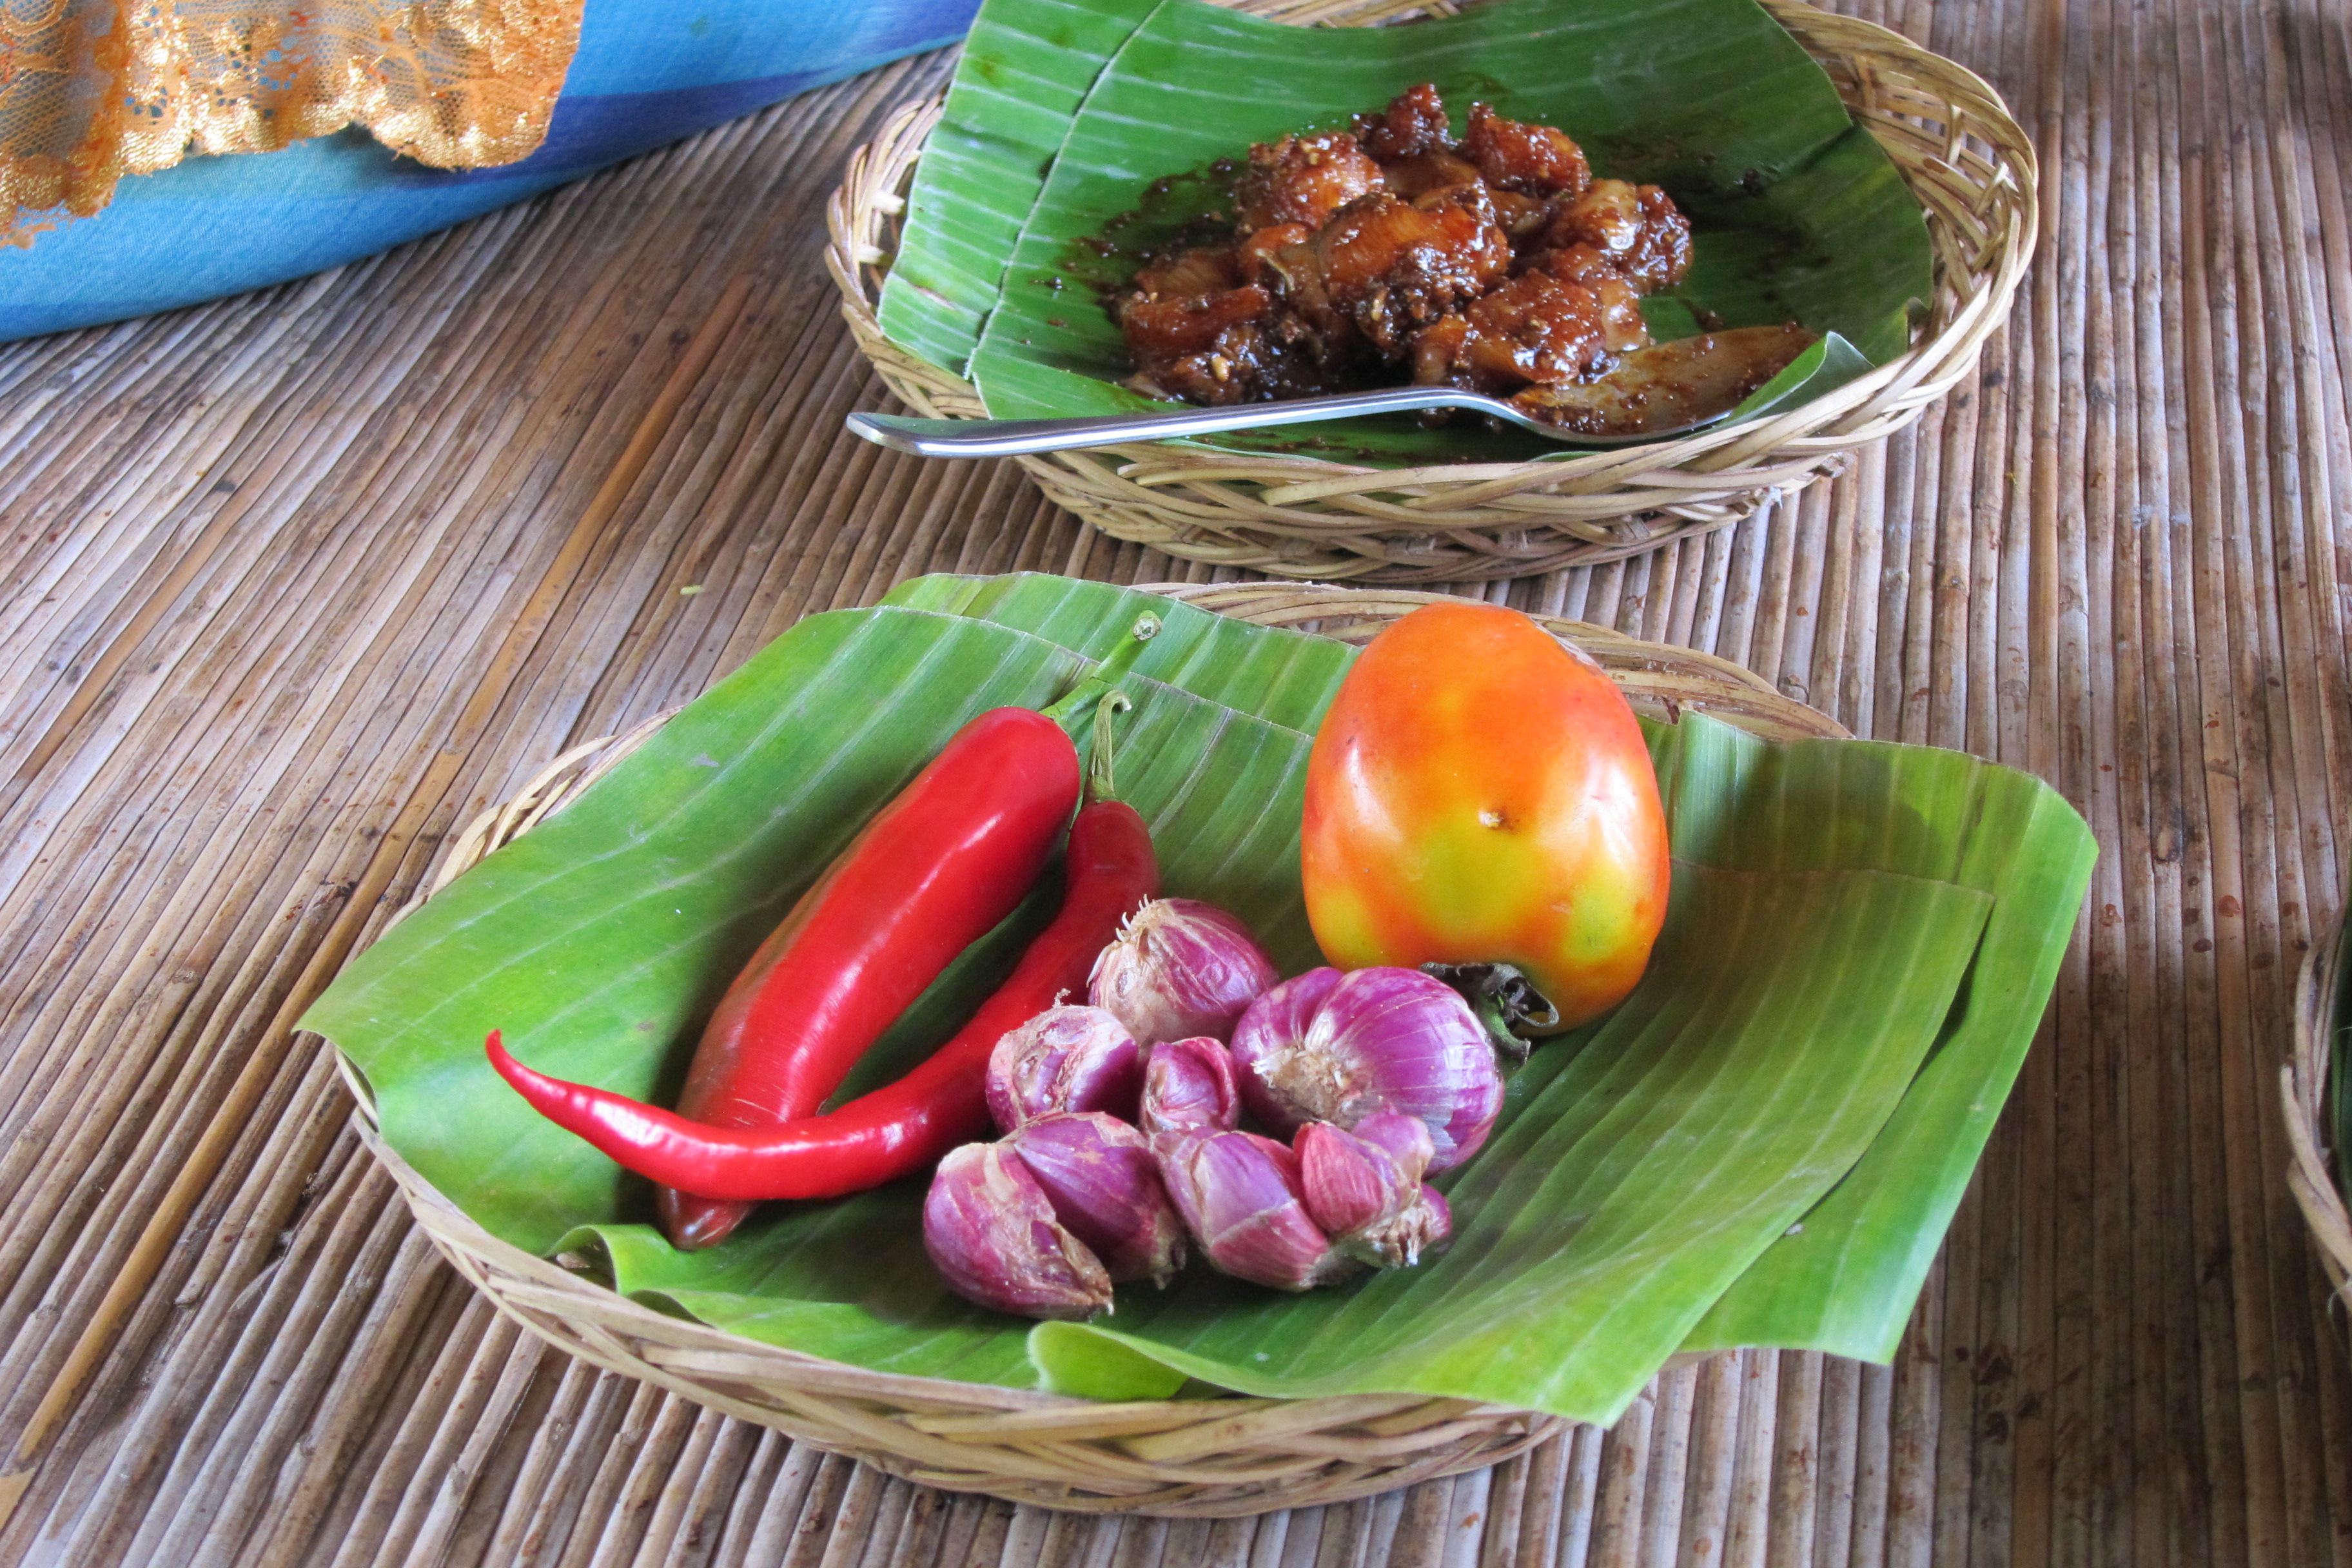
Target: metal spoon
<point x="1665" y="389"/>
<point x="1011" y="437"/>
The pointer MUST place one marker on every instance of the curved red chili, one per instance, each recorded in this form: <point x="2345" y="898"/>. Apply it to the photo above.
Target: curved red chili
<point x="936" y="868"/>
<point x="895" y="1131"/>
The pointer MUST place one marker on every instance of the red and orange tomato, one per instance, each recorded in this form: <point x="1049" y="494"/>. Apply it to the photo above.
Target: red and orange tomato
<point x="1479" y="793"/>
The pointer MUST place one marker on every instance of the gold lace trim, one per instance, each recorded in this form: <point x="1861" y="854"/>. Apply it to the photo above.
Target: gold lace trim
<point x="91" y="90"/>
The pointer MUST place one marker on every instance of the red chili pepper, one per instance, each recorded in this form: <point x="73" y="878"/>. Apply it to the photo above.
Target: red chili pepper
<point x="899" y="1130"/>
<point x="940" y="865"/>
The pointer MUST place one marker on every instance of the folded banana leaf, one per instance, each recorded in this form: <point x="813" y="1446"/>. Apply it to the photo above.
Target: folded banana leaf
<point x="1024" y="73"/>
<point x="1843" y="1279"/>
<point x="1285" y="679"/>
<point x="1834" y="925"/>
<point x="1797" y="213"/>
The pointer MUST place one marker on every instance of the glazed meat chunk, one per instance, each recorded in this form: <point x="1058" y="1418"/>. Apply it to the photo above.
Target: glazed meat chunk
<point x="1389" y="267"/>
<point x="1533" y="160"/>
<point x="1302" y="179"/>
<point x="1621" y="329"/>
<point x="1205" y="348"/>
<point x="1637" y="228"/>
<point x="1197" y="332"/>
<point x="1534" y="328"/>
<point x="1360" y="259"/>
<point x="1413" y="123"/>
<point x="1426" y="172"/>
<point x="1191" y="274"/>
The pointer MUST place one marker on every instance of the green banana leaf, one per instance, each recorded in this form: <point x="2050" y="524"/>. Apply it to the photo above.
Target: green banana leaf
<point x="1797" y="213"/>
<point x="1286" y="679"/>
<point x="1843" y="1279"/>
<point x="1829" y="909"/>
<point x="1023" y="75"/>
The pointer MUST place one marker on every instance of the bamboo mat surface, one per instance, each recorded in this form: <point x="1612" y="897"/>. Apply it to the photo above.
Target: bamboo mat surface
<point x="297" y="583"/>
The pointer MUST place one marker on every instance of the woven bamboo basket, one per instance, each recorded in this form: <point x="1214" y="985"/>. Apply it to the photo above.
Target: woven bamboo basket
<point x="1188" y="1458"/>
<point x="1949" y="134"/>
<point x="2303" y="1090"/>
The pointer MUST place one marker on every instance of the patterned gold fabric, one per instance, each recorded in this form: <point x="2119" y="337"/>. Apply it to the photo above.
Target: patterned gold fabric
<point x="91" y="90"/>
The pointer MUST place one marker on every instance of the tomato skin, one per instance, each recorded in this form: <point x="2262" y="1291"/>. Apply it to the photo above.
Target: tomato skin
<point x="1479" y="793"/>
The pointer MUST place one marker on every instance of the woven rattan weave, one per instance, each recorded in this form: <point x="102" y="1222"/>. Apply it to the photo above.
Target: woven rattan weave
<point x="2303" y="1090"/>
<point x="1949" y="135"/>
<point x="1179" y="1458"/>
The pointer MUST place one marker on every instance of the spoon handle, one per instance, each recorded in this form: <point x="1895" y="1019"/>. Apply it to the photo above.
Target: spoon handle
<point x="1011" y="437"/>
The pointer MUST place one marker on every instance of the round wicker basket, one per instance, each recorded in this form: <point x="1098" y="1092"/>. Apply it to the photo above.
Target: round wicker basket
<point x="1950" y="136"/>
<point x="1193" y="1457"/>
<point x="2302" y="1088"/>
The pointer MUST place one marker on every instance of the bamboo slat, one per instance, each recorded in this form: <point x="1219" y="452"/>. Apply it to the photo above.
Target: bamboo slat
<point x="298" y="583"/>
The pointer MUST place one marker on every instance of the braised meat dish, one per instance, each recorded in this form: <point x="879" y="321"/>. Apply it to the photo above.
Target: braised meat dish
<point x="1391" y="253"/>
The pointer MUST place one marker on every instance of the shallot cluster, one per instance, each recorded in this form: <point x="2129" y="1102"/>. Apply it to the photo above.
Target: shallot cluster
<point x="1123" y="1124"/>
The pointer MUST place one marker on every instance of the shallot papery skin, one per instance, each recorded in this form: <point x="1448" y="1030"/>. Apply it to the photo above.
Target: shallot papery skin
<point x="1333" y="1046"/>
<point x="1179" y="968"/>
<point x="1064" y="1059"/>
<point x="1188" y="1086"/>
<point x="1104" y="1183"/>
<point x="1239" y="1195"/>
<point x="1363" y="1188"/>
<point x="1441" y="1216"/>
<point x="990" y="1232"/>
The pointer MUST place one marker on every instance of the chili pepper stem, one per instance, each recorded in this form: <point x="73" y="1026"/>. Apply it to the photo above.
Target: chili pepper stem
<point x="1098" y="779"/>
<point x="1101" y="677"/>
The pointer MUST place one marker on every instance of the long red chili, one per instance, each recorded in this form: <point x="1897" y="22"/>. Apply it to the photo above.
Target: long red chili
<point x="899" y="1130"/>
<point x="940" y="866"/>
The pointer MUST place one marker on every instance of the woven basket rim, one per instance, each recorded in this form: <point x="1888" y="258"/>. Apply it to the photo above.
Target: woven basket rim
<point x="1221" y="507"/>
<point x="2302" y="1100"/>
<point x="532" y="1290"/>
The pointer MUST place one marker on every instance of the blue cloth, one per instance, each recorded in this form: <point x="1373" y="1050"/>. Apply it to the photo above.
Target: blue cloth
<point x="647" y="71"/>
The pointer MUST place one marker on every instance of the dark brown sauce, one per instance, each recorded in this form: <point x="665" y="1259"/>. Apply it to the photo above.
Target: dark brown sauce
<point x="1177" y="212"/>
<point x="1303" y="270"/>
